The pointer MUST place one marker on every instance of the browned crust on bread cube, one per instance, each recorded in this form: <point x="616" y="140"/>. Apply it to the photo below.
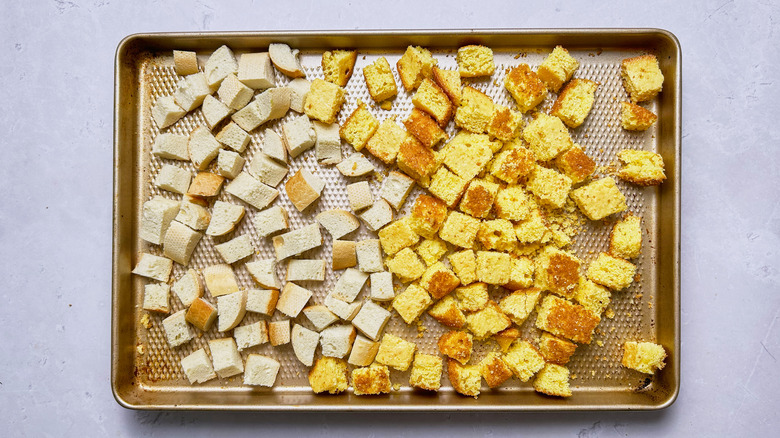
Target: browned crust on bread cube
<point x="636" y="118"/>
<point x="447" y="312"/>
<point x="205" y="184"/>
<point x="576" y="164"/>
<point x="449" y="81"/>
<point x="433" y="100"/>
<point x="494" y="370"/>
<point x="201" y="314"/>
<point x="428" y="215"/>
<point x="424" y="128"/>
<point x="416" y="160"/>
<point x="563" y="318"/>
<point x="556" y="350"/>
<point x="457" y="345"/>
<point x="525" y="87"/>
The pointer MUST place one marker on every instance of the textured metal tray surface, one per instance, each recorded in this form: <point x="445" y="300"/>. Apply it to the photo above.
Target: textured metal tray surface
<point x="648" y="310"/>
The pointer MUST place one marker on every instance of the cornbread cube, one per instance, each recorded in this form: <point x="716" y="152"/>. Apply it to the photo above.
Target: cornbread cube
<point x="465" y="380"/>
<point x="359" y="195"/>
<point x="478" y="199"/>
<point x="382" y="286"/>
<point x="464" y="263"/>
<point x="553" y="380"/>
<point x="512" y="203"/>
<point x="625" y="240"/>
<point x="494" y="370"/>
<point x="447" y="186"/>
<point x="475" y="110"/>
<point x="557" y="68"/>
<point x="556" y="350"/>
<point x="233" y="137"/>
<point x="386" y="141"/>
<point x="439" y="280"/>
<point x="522" y="275"/>
<point x="449" y="81"/>
<point x="416" y="160"/>
<point x="599" y="199"/>
<point x="642" y="77"/>
<point x="173" y="178"/>
<point x="329" y="374"/>
<point x="214" y="111"/>
<point x="185" y="63"/>
<point x="575" y="102"/>
<point x="525" y="87"/>
<point x="645" y="357"/>
<point x="355" y="165"/>
<point x="473" y="298"/>
<point x="498" y="234"/>
<point x="459" y="229"/>
<point x="233" y="93"/>
<point x="575" y="164"/>
<point x="359" y="127"/>
<point x="505" y="338"/>
<point x="379" y="80"/>
<point x="566" y="319"/>
<point x="524" y="360"/>
<point x="191" y="90"/>
<point x="337" y="66"/>
<point x="592" y="296"/>
<point x="644" y="168"/>
<point x="488" y="321"/>
<point x="431" y="250"/>
<point x="557" y="271"/>
<point x="457" y="345"/>
<point x="395" y="352"/>
<point x="397" y="236"/>
<point x="505" y="124"/>
<point x="363" y="351"/>
<point x="411" y="303"/>
<point x="395" y="188"/>
<point x="415" y="65"/>
<point x="467" y="154"/>
<point x="406" y="265"/>
<point x="427" y="216"/>
<point x="635" y="118"/>
<point x="371" y="380"/>
<point x="324" y="101"/>
<point x="424" y="128"/>
<point x="426" y="372"/>
<point x="156" y="298"/>
<point x="447" y="312"/>
<point x="547" y="137"/>
<point x="475" y="61"/>
<point x="171" y="146"/>
<point x="433" y="100"/>
<point x="378" y="215"/>
<point x="493" y="267"/>
<point x="512" y="163"/>
<point x="255" y="70"/>
<point x="519" y="304"/>
<point x="614" y="273"/>
<point x="549" y="186"/>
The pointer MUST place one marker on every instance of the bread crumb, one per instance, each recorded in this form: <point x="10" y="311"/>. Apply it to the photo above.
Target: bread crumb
<point x="141" y="349"/>
<point x="600" y="344"/>
<point x="146" y="321"/>
<point x="610" y="314"/>
<point x="396" y="387"/>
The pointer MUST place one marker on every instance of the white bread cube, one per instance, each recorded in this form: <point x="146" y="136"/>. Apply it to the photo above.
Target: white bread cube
<point x="251" y="335"/>
<point x="297" y="241"/>
<point x="185" y="63"/>
<point x="156" y="216"/>
<point x="201" y="314"/>
<point x="193" y="214"/>
<point x="300" y="89"/>
<point x="264" y="273"/>
<point x="371" y="320"/>
<point x="191" y="90"/>
<point x="299" y="135"/>
<point x="378" y="215"/>
<point x="363" y="351"/>
<point x="271" y="104"/>
<point x="279" y="332"/>
<point x="231" y="309"/>
<point x="320" y="316"/>
<point x="214" y="111"/>
<point x="188" y="287"/>
<point x="396" y="188"/>
<point x="382" y="286"/>
<point x="177" y="332"/>
<point x="369" y="255"/>
<point x="359" y="195"/>
<point x="233" y="137"/>
<point x="220" y="64"/>
<point x="339" y="223"/>
<point x="255" y="70"/>
<point x="285" y="60"/>
<point x="293" y="299"/>
<point x="341" y="308"/>
<point x="336" y="340"/>
<point x="262" y="301"/>
<point x="154" y="267"/>
<point x="246" y="188"/>
<point x="173" y="178"/>
<point x="197" y="367"/>
<point x="166" y="112"/>
<point x="224" y="218"/>
<point x="229" y="163"/>
<point x="343" y="254"/>
<point x="205" y="185"/>
<point x="304" y="343"/>
<point x="355" y="165"/>
<point x="271" y="220"/>
<point x="273" y="146"/>
<point x="171" y="146"/>
<point x="349" y="285"/>
<point x="227" y="359"/>
<point x="156" y="298"/>
<point x="261" y="370"/>
<point x="236" y="249"/>
<point x="233" y="93"/>
<point x="305" y="270"/>
<point x="220" y="280"/>
<point x="179" y="242"/>
<point x="327" y="148"/>
<point x="203" y="147"/>
<point x="267" y="170"/>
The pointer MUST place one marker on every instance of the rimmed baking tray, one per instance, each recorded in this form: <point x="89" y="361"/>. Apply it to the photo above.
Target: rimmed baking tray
<point x="145" y="372"/>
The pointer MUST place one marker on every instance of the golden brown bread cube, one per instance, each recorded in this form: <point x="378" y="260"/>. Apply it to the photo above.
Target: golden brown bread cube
<point x="426" y="372"/>
<point x="379" y="80"/>
<point x="447" y="312"/>
<point x="424" y="128"/>
<point x="416" y="64"/>
<point x="475" y="110"/>
<point x="475" y="61"/>
<point x="205" y="184"/>
<point x="525" y="87"/>
<point x="465" y="380"/>
<point x="449" y="81"/>
<point x="568" y="320"/>
<point x="432" y="99"/>
<point x="636" y="118"/>
<point x="642" y="77"/>
<point x="329" y="374"/>
<point x="644" y="168"/>
<point x="478" y="199"/>
<point x="359" y="127"/>
<point x="324" y="101"/>
<point x="371" y="380"/>
<point x="553" y="380"/>
<point x="556" y="350"/>
<point x="557" y="68"/>
<point x="337" y="66"/>
<point x="416" y="160"/>
<point x="575" y="164"/>
<point x="575" y="102"/>
<point x="457" y="345"/>
<point x="494" y="370"/>
<point x="427" y="216"/>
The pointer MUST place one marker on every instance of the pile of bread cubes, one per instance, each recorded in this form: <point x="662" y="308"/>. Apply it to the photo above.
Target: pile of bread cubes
<point x="482" y="230"/>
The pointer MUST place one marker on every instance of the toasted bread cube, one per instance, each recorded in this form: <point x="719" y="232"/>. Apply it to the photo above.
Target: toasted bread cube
<point x="575" y="102"/>
<point x="411" y="303"/>
<point x="599" y="199"/>
<point x="229" y="164"/>
<point x="185" y="63"/>
<point x="205" y="184"/>
<point x="255" y="70"/>
<point x="558" y="271"/>
<point x="556" y="350"/>
<point x="532" y="229"/>
<point x="395" y="352"/>
<point x="467" y="154"/>
<point x="271" y="220"/>
<point x="427" y="216"/>
<point x="349" y="285"/>
<point x="369" y="255"/>
<point x="557" y="68"/>
<point x="327" y="147"/>
<point x="264" y="273"/>
<point x="433" y="100"/>
<point x="447" y="186"/>
<point x="551" y="187"/>
<point x="505" y="338"/>
<point x="494" y="370"/>
<point x="267" y="170"/>
<point x="547" y="137"/>
<point x="449" y="81"/>
<point x="279" y="332"/>
<point x="191" y="90"/>
<point x="465" y="380"/>
<point x="233" y="93"/>
<point x="179" y="243"/>
<point x="378" y="215"/>
<point x="464" y="263"/>
<point x="371" y="380"/>
<point x="171" y="146"/>
<point x="475" y="61"/>
<point x="382" y="286"/>
<point x="379" y="80"/>
<point x="625" y="240"/>
<point x="262" y="301"/>
<point x="271" y="104"/>
<point x="576" y="164"/>
<point x="359" y="127"/>
<point x="645" y="357"/>
<point x="166" y="112"/>
<point x="505" y="124"/>
<point x="329" y="374"/>
<point x="337" y="66"/>
<point x="473" y="298"/>
<point x="395" y="188"/>
<point x="233" y="137"/>
<point x="156" y="298"/>
<point x="431" y="250"/>
<point x="324" y="101"/>
<point x="344" y="254"/>
<point x="522" y="275"/>
<point x="614" y="273"/>
<point x="644" y="168"/>
<point x="415" y="64"/>
<point x="177" y="332"/>
<point x="297" y="241"/>
<point x="424" y="128"/>
<point x="359" y="195"/>
<point x="426" y="372"/>
<point x="447" y="312"/>
<point x="475" y="110"/>
<point x="363" y="351"/>
<point x="635" y="118"/>
<point x="519" y="304"/>
<point x="236" y="249"/>
<point x="498" y="234"/>
<point x="260" y="370"/>
<point x="524" y="360"/>
<point x="417" y="161"/>
<point x="457" y="345"/>
<point x="386" y="141"/>
<point x="642" y="77"/>
<point x="493" y="267"/>
<point x="154" y="267"/>
<point x="566" y="319"/>
<point x="553" y="380"/>
<point x="336" y="340"/>
<point x="397" y="236"/>
<point x="525" y="87"/>
<point x="592" y="296"/>
<point x="251" y="335"/>
<point x="220" y="280"/>
<point x="488" y="321"/>
<point x="203" y="147"/>
<point x="214" y="111"/>
<point x="371" y="320"/>
<point x="197" y="366"/>
<point x="304" y="188"/>
<point x="439" y="280"/>
<point x="355" y="165"/>
<point x="460" y="229"/>
<point x="248" y="189"/>
<point x="512" y="163"/>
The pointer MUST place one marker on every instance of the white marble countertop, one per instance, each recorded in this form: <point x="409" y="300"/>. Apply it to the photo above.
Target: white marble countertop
<point x="56" y="103"/>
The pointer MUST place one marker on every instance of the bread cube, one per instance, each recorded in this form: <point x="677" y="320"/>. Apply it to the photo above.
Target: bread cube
<point x="156" y="216"/>
<point x="439" y="280"/>
<point x="519" y="304"/>
<point x="286" y="60"/>
<point x="344" y="254"/>
<point x="261" y="370"/>
<point x="327" y="148"/>
<point x="464" y="263"/>
<point x="171" y="146"/>
<point x="614" y="273"/>
<point x="547" y="137"/>
<point x="177" y="332"/>
<point x="185" y="63"/>
<point x="565" y="319"/>
<point x="340" y="308"/>
<point x="599" y="199"/>
<point x="395" y="352"/>
<point x="493" y="267"/>
<point x="305" y="270"/>
<point x="299" y="135"/>
<point x="156" y="298"/>
<point x="431" y="250"/>
<point x="262" y="301"/>
<point x="359" y="127"/>
<point x="386" y="141"/>
<point x="505" y="338"/>
<point x="179" y="242"/>
<point x="395" y="188"/>
<point x="359" y="195"/>
<point x="411" y="303"/>
<point x="379" y="80"/>
<point x="505" y="124"/>
<point x="645" y="357"/>
<point x="233" y="93"/>
<point x="406" y="265"/>
<point x="512" y="163"/>
<point x="551" y="187"/>
<point x="336" y="340"/>
<point x="557" y="68"/>
<point x="382" y="286"/>
<point x="526" y="87"/>
<point x="205" y="185"/>
<point x="467" y="154"/>
<point x="642" y="77"/>
<point x="371" y="380"/>
<point x="220" y="64"/>
<point x="363" y="351"/>
<point x="378" y="215"/>
<point x="267" y="170"/>
<point x="214" y="111"/>
<point x="236" y="249"/>
<point x="227" y="359"/>
<point x="371" y="320"/>
<point x="459" y="229"/>
<point x="203" y="147"/>
<point x="424" y="128"/>
<point x="592" y="296"/>
<point x="475" y="110"/>
<point x="191" y="90"/>
<point x="494" y="370"/>
<point x="427" y="216"/>
<point x="472" y="298"/>
<point x="229" y="164"/>
<point x="457" y="345"/>
<point x="426" y="372"/>
<point x="397" y="236"/>
<point x="488" y="321"/>
<point x="233" y="137"/>
<point x="556" y="350"/>
<point x="270" y="220"/>
<point x="337" y="66"/>
<point x="320" y="317"/>
<point x="197" y="367"/>
<point x="644" y="168"/>
<point x="635" y="118"/>
<point x="498" y="234"/>
<point x="432" y="99"/>
<point x="349" y="285"/>
<point x="553" y="380"/>
<point x="304" y="188"/>
<point x="447" y="312"/>
<point x="447" y="186"/>
<point x="220" y="280"/>
<point x="575" y="164"/>
<point x="575" y="102"/>
<point x="255" y="70"/>
<point x="324" y="101"/>
<point x="355" y="165"/>
<point x="329" y="375"/>
<point x="297" y="241"/>
<point x="369" y="255"/>
<point x="475" y="61"/>
<point x="231" y="309"/>
<point x="269" y="105"/>
<point x="166" y="112"/>
<point x="522" y="275"/>
<point x="250" y="335"/>
<point x="188" y="287"/>
<point x="625" y="240"/>
<point x="293" y="299"/>
<point x="248" y="189"/>
<point x="557" y="271"/>
<point x="415" y="65"/>
<point x="299" y="89"/>
<point x="465" y="380"/>
<point x="339" y="223"/>
<point x="264" y="273"/>
<point x="279" y="332"/>
<point x="524" y="360"/>
<point x="532" y="229"/>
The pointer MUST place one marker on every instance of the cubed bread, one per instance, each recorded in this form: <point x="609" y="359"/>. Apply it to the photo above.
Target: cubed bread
<point x="505" y="124"/>
<point x="177" y="332"/>
<point x="411" y="303"/>
<point x="262" y="301"/>
<point x="433" y="100"/>
<point x="349" y="285"/>
<point x="206" y="185"/>
<point x="382" y="286"/>
<point x="344" y="254"/>
<point x="553" y="380"/>
<point x="305" y="270"/>
<point x="227" y="359"/>
<point x="378" y="215"/>
<point x="427" y="216"/>
<point x="324" y="101"/>
<point x="329" y="374"/>
<point x="473" y="297"/>
<point x="236" y="249"/>
<point x="191" y="90"/>
<point x="250" y="335"/>
<point x="185" y="63"/>
<point x="512" y="163"/>
<point x="557" y="271"/>
<point x="156" y="298"/>
<point x="363" y="351"/>
<point x="636" y="118"/>
<point x="220" y="280"/>
<point x="299" y="89"/>
<point x="549" y="186"/>
<point x="299" y="135"/>
<point x="267" y="170"/>
<point x="465" y="380"/>
<point x="519" y="304"/>
<point x="188" y="287"/>
<point x="475" y="110"/>
<point x="339" y="223"/>
<point x="464" y="263"/>
<point x="293" y="299"/>
<point x="320" y="316"/>
<point x="475" y="61"/>
<point x="557" y="68"/>
<point x="431" y="250"/>
<point x="447" y="186"/>
<point x="197" y="367"/>
<point x="359" y="195"/>
<point x="271" y="104"/>
<point x="355" y="165"/>
<point x="338" y="65"/>
<point x="525" y="87"/>
<point x="599" y="199"/>
<point x="233" y="137"/>
<point x="556" y="350"/>
<point x="531" y="229"/>
<point x="612" y="272"/>
<point x="416" y="64"/>
<point x="261" y="370"/>
<point x="592" y="296"/>
<point x="201" y="314"/>
<point x="494" y="370"/>
<point x="625" y="240"/>
<point x="279" y="332"/>
<point x="286" y="60"/>
<point x="327" y="148"/>
<point x="642" y="77"/>
<point x="165" y="112"/>
<point x="214" y="111"/>
<point x="234" y="93"/>
<point x="264" y="273"/>
<point x="171" y="146"/>
<point x="565" y="319"/>
<point x="493" y="267"/>
<point x="426" y="372"/>
<point x="336" y="340"/>
<point x="179" y="242"/>
<point x="273" y="146"/>
<point x="395" y="188"/>
<point x="498" y="234"/>
<point x="395" y="352"/>
<point x="341" y="308"/>
<point x="488" y="321"/>
<point x="154" y="267"/>
<point x="371" y="319"/>
<point x="506" y="337"/>
<point x="512" y="203"/>
<point x="467" y="154"/>
<point x="229" y="163"/>
<point x="644" y="168"/>
<point x="547" y="137"/>
<point x="645" y="357"/>
<point x="359" y="127"/>
<point x="220" y="64"/>
<point x="424" y="128"/>
<point x="447" y="312"/>
<point x="439" y="280"/>
<point x="522" y="275"/>
<point x="575" y="102"/>
<point x="524" y="360"/>
<point x="457" y="345"/>
<point x="449" y="81"/>
<point x="297" y="241"/>
<point x="386" y="141"/>
<point x="369" y="255"/>
<point x="270" y="221"/>
<point x="255" y="70"/>
<point x="371" y="380"/>
<point x="304" y="188"/>
<point x="231" y="309"/>
<point x="203" y="147"/>
<point x="248" y="189"/>
<point x="397" y="236"/>
<point x="575" y="164"/>
<point x="459" y="229"/>
<point x="379" y="80"/>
